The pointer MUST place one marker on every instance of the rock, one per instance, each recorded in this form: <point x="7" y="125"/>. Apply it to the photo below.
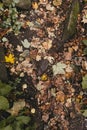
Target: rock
<point x="71" y="21"/>
<point x="22" y="4"/>
<point x="3" y="71"/>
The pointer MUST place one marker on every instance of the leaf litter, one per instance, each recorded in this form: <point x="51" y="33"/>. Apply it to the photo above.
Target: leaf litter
<point x="51" y="72"/>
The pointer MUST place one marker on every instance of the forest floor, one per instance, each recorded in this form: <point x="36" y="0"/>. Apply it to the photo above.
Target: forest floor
<point x="48" y="80"/>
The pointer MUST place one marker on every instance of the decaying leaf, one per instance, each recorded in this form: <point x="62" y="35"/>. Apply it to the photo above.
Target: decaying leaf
<point x="47" y="45"/>
<point x="17" y="106"/>
<point x="25" y="43"/>
<point x="59" y="68"/>
<point x="84" y="19"/>
<point x="34" y="5"/>
<point x="60" y="96"/>
<point x="19" y="48"/>
<point x="57" y="2"/>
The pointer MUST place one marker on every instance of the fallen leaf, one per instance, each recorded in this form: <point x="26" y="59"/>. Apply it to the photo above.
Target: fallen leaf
<point x="47" y="45"/>
<point x="68" y="56"/>
<point x="59" y="68"/>
<point x="60" y="96"/>
<point x="44" y="77"/>
<point x="25" y="43"/>
<point x="57" y="2"/>
<point x="50" y="59"/>
<point x="35" y="5"/>
<point x="49" y="7"/>
<point x="45" y="117"/>
<point x="19" y="48"/>
<point x="17" y="106"/>
<point x="10" y="58"/>
<point x="69" y="68"/>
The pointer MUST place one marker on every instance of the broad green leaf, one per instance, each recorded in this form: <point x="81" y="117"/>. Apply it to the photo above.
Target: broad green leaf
<point x="84" y="42"/>
<point x="84" y="82"/>
<point x="23" y="119"/>
<point x="4" y="104"/>
<point x="1" y="5"/>
<point x="59" y="68"/>
<point x="25" y="43"/>
<point x="16" y="125"/>
<point x="9" y="127"/>
<point x="6" y="121"/>
<point x="4" y="89"/>
<point x="84" y="113"/>
<point x="3" y="123"/>
<point x="85" y="51"/>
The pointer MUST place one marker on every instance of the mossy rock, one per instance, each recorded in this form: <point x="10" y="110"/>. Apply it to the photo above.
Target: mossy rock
<point x="71" y="21"/>
<point x="22" y="4"/>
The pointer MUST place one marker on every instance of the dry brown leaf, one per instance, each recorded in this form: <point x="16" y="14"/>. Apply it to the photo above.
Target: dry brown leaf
<point x="4" y="32"/>
<point x="45" y="117"/>
<point x="17" y="106"/>
<point x="48" y="44"/>
<point x="60" y="96"/>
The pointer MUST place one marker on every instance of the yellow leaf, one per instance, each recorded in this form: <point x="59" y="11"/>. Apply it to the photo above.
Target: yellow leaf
<point x="10" y="58"/>
<point x="34" y="5"/>
<point x="57" y="2"/>
<point x="44" y="77"/>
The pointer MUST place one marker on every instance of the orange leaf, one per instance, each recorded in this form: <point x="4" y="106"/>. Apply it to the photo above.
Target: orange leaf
<point x="34" y="5"/>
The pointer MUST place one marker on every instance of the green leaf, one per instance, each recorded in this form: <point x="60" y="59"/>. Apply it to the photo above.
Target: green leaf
<point x="4" y="89"/>
<point x="4" y="104"/>
<point x="59" y="68"/>
<point x="85" y="51"/>
<point x="84" y="82"/>
<point x="6" y="121"/>
<point x="1" y="5"/>
<point x="3" y="123"/>
<point x="9" y="127"/>
<point x="84" y="113"/>
<point x="84" y="42"/>
<point x="16" y="125"/>
<point x="23" y="119"/>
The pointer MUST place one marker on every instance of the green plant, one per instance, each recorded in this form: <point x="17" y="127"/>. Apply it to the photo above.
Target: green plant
<point x="18" y="118"/>
<point x="85" y="43"/>
<point x="19" y="122"/>
<point x="5" y="89"/>
<point x="10" y="18"/>
<point x="84" y="82"/>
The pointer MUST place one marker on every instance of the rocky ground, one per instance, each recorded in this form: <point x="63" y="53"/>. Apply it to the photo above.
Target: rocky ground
<point x="46" y="64"/>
